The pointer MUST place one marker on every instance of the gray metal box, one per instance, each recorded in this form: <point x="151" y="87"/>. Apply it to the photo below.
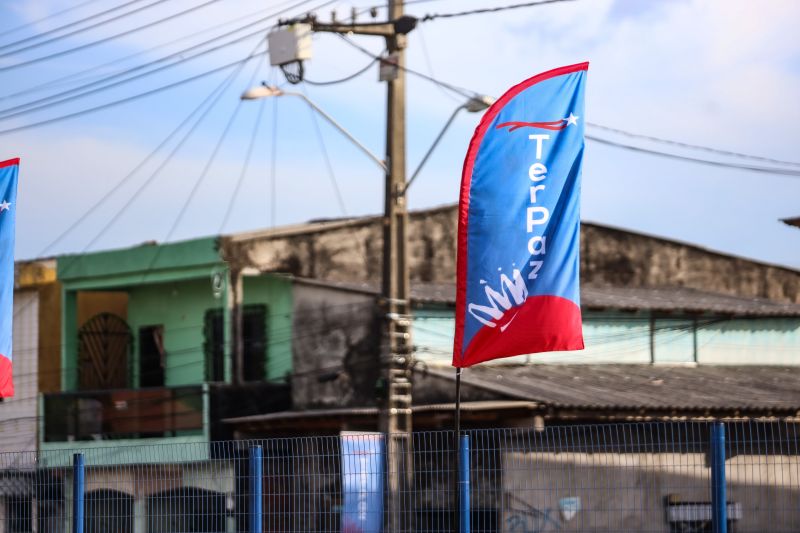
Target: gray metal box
<point x="289" y="44"/>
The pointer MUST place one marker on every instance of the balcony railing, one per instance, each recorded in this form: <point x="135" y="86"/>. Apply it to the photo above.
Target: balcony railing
<point x="124" y="413"/>
<point x="156" y="412"/>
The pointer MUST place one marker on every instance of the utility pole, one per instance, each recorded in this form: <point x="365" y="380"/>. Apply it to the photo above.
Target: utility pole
<point x="396" y="348"/>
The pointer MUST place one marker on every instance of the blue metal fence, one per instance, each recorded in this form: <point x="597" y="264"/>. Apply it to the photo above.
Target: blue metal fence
<point x="650" y="477"/>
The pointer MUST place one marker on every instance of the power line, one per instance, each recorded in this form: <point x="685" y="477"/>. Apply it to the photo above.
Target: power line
<point x="489" y="9"/>
<point x="65" y="26"/>
<point x="133" y="172"/>
<point x="468" y="93"/>
<point x="458" y="90"/>
<point x="692" y="146"/>
<point x="352" y="76"/>
<point x="128" y="98"/>
<point x="106" y="39"/>
<point x="204" y="174"/>
<point x="364" y="9"/>
<point x="213" y="98"/>
<point x="766" y="170"/>
<point x="76" y="75"/>
<point x="86" y="90"/>
<point x="245" y="163"/>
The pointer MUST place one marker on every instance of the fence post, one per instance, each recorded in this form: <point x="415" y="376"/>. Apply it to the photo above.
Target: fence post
<point x="719" y="504"/>
<point x="256" y="495"/>
<point x="463" y="484"/>
<point x="77" y="493"/>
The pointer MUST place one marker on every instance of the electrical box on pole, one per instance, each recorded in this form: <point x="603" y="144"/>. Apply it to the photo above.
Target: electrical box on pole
<point x="289" y="44"/>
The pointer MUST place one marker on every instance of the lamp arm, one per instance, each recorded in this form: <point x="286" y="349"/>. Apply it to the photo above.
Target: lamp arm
<point x="381" y="163"/>
<point x="433" y="147"/>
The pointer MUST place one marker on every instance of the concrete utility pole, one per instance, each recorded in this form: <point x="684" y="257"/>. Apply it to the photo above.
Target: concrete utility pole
<point x="396" y="350"/>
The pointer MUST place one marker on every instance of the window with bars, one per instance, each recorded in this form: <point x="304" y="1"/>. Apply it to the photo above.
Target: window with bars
<point x="254" y="338"/>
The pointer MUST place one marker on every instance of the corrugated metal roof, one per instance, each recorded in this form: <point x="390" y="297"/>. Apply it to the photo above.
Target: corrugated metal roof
<point x="491" y="405"/>
<point x="619" y="387"/>
<point x="635" y="299"/>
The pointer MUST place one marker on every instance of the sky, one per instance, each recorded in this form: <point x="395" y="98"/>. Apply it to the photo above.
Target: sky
<point x="724" y="74"/>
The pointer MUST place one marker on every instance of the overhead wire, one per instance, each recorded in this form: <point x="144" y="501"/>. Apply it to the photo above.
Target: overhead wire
<point x="273" y="174"/>
<point x="76" y="76"/>
<point x="58" y="13"/>
<point x="682" y="144"/>
<point x="127" y="98"/>
<point x="768" y="170"/>
<point x="204" y="174"/>
<point x="209" y="104"/>
<point x="245" y="166"/>
<point x="87" y="90"/>
<point x="125" y="33"/>
<point x="74" y="23"/>
<point x="349" y="77"/>
<point x="467" y="93"/>
<point x="484" y="10"/>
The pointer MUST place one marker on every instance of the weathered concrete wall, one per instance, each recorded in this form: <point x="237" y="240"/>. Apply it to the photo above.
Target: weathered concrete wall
<point x="335" y="339"/>
<point x="630" y="492"/>
<point x="351" y="251"/>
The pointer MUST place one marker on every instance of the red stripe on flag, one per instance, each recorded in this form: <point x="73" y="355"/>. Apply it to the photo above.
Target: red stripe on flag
<point x="6" y="383"/>
<point x="9" y="162"/>
<point x="557" y="328"/>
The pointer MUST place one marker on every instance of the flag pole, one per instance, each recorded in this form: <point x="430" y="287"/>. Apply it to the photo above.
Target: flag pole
<point x="457" y="444"/>
<point x="458" y="403"/>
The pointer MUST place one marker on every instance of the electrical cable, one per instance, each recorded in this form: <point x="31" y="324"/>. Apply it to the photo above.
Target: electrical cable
<point x="72" y="76"/>
<point x="458" y="90"/>
<point x="490" y="9"/>
<point x="127" y="177"/>
<point x="157" y="171"/>
<point x="106" y="39"/>
<point x="467" y="93"/>
<point x="429" y="64"/>
<point x="74" y="23"/>
<point x="332" y="177"/>
<point x="365" y="9"/>
<point x="245" y="166"/>
<point x="86" y="90"/>
<point x="352" y="76"/>
<point x="203" y="175"/>
<point x="128" y="98"/>
<point x="326" y="158"/>
<point x="776" y="171"/>
<point x="273" y="165"/>
<point x="692" y="146"/>
<point x="50" y="16"/>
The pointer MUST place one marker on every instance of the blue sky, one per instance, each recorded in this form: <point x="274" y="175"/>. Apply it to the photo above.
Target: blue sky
<point x="719" y="73"/>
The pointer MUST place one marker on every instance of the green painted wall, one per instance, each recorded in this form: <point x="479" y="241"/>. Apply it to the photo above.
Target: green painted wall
<point x="145" y="263"/>
<point x="614" y="337"/>
<point x="276" y="293"/>
<point x="766" y="341"/>
<point x="180" y="307"/>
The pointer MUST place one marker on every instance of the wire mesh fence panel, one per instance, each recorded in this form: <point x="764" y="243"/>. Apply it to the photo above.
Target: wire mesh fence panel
<point x="634" y="477"/>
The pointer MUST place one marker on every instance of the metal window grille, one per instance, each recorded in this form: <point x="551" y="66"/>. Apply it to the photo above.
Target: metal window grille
<point x="648" y="477"/>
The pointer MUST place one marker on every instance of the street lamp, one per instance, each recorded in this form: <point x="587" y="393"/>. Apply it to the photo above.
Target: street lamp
<point x="266" y="91"/>
<point x="476" y="104"/>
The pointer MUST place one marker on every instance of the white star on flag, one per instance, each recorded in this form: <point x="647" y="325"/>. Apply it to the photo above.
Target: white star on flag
<point x="572" y="119"/>
<point x="5" y="206"/>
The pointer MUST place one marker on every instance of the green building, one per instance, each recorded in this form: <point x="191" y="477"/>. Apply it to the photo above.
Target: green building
<point x="147" y="346"/>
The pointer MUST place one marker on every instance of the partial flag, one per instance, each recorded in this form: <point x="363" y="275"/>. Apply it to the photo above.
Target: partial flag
<point x="8" y="203"/>
<point x="519" y="223"/>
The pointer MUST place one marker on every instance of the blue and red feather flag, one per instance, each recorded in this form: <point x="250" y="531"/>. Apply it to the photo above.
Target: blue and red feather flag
<point x="519" y="223"/>
<point x="8" y="203"/>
